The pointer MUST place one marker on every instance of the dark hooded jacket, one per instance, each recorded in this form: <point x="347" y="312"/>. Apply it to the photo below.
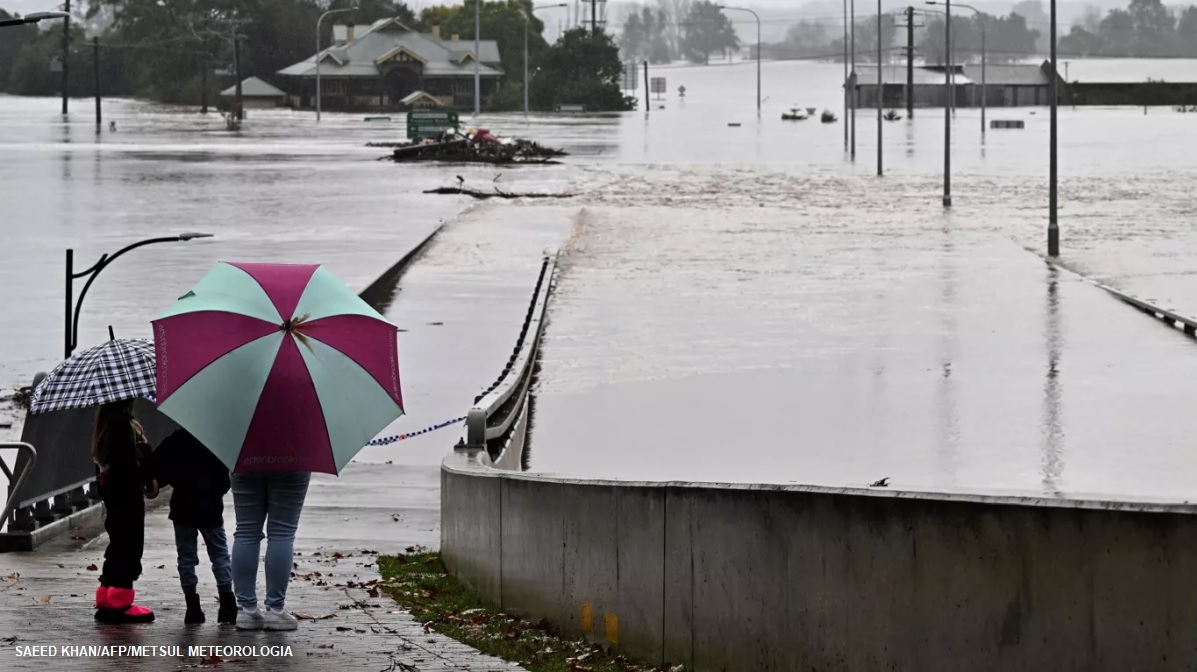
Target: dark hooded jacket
<point x="199" y="479"/>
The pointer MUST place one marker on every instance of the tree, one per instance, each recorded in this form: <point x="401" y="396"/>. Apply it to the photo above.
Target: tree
<point x="1186" y="31"/>
<point x="1154" y="27"/>
<point x="15" y="38"/>
<point x="1035" y="15"/>
<point x="633" y="41"/>
<point x="501" y="21"/>
<point x="1117" y="33"/>
<point x="706" y="30"/>
<point x="1080" y="42"/>
<point x="580" y="68"/>
<point x="866" y="38"/>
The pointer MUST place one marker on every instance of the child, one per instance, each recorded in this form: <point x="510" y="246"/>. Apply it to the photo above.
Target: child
<point x="122" y="455"/>
<point x="200" y="482"/>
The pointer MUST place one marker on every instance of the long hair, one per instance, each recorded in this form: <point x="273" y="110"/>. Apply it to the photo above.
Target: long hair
<point x="114" y="429"/>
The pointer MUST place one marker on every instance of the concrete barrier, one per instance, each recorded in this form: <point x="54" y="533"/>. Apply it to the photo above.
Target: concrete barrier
<point x="745" y="578"/>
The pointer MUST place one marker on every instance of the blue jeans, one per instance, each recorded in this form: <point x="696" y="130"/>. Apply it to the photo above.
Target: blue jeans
<point x="218" y="553"/>
<point x="272" y="500"/>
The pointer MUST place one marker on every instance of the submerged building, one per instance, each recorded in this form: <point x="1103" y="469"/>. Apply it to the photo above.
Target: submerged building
<point x="387" y="65"/>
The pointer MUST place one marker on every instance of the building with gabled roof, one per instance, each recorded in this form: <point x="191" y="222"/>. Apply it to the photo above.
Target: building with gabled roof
<point x="378" y="66"/>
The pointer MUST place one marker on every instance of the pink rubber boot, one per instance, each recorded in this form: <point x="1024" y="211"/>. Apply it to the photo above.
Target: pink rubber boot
<point x="122" y="610"/>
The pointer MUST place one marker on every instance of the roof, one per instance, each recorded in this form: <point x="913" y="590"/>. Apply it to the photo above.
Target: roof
<point x="253" y="88"/>
<point x="866" y="75"/>
<point x="1128" y="70"/>
<point x="419" y="96"/>
<point x="388" y="38"/>
<point x="1008" y="74"/>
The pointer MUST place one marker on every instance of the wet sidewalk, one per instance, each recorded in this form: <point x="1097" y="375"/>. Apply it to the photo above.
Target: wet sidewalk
<point x="461" y="306"/>
<point x="831" y="346"/>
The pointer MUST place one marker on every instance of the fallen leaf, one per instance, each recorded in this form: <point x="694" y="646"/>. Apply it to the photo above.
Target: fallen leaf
<point x="338" y="555"/>
<point x="308" y="617"/>
<point x="14" y="576"/>
<point x="61" y="566"/>
<point x="92" y="567"/>
<point x="161" y="566"/>
<point x="374" y="592"/>
<point x="42" y="600"/>
<point x="78" y="537"/>
<point x="324" y="646"/>
<point x="342" y="628"/>
<point x="212" y="660"/>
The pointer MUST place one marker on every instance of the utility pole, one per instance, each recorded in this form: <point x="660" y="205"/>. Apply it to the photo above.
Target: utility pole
<point x="647" y="104"/>
<point x="910" y="62"/>
<point x="66" y="53"/>
<point x="237" y="74"/>
<point x="594" y="17"/>
<point x="477" y="55"/>
<point x="95" y="47"/>
<point x="947" y="109"/>
<point x="845" y="75"/>
<point x="204" y="65"/>
<point x="855" y="89"/>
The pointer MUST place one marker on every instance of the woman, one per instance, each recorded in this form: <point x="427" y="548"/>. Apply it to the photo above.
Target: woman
<point x="272" y="500"/>
<point x="122" y="455"/>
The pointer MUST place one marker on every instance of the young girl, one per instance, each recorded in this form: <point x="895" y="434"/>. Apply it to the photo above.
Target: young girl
<point x="122" y="454"/>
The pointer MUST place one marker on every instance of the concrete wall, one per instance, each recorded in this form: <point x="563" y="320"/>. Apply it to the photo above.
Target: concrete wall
<point x="746" y="578"/>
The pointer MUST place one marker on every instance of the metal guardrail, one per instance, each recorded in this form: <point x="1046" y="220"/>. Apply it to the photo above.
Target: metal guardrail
<point x="15" y="485"/>
<point x="1188" y="325"/>
<point x="502" y="406"/>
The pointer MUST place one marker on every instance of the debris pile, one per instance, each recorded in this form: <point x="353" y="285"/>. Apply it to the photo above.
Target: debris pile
<point x="472" y="146"/>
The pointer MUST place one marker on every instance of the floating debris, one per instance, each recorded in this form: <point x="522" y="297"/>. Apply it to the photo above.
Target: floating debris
<point x="828" y="117"/>
<point x="478" y="146"/>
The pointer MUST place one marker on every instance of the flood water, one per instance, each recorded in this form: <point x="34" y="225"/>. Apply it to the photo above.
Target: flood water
<point x="287" y="189"/>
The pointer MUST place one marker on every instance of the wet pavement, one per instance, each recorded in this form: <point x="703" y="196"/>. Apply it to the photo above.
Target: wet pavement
<point x="821" y="346"/>
<point x="48" y="596"/>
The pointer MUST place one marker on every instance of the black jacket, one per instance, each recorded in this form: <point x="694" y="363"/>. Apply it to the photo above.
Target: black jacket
<point x="200" y="480"/>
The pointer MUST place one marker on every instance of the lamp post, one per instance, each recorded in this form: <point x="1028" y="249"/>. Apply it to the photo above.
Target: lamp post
<point x="71" y="330"/>
<point x="984" y="58"/>
<point x="852" y="37"/>
<point x="527" y="20"/>
<point x="758" y="50"/>
<point x="880" y="88"/>
<point x="33" y="17"/>
<point x="845" y="75"/>
<point x="318" y="59"/>
<point x="1053" y="227"/>
<point x="947" y="109"/>
<point x="477" y="55"/>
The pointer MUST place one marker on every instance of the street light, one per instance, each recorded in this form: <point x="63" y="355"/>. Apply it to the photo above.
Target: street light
<point x="33" y="17"/>
<point x="845" y="75"/>
<point x="758" y="50"/>
<point x="318" y="58"/>
<point x="984" y="89"/>
<point x="1053" y="227"/>
<point x="71" y="331"/>
<point x="527" y="20"/>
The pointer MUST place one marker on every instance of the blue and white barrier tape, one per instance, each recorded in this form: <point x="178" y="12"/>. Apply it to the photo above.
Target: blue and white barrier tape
<point x="388" y="440"/>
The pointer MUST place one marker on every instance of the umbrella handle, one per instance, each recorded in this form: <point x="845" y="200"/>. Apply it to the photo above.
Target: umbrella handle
<point x="111" y="335"/>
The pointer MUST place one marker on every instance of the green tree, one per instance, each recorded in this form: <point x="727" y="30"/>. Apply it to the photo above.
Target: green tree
<point x="580" y="68"/>
<point x="1186" y="31"/>
<point x="707" y="30"/>
<point x="501" y="21"/>
<point x="14" y="39"/>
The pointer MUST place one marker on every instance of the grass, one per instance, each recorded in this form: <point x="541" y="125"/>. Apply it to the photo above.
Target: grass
<point x="419" y="583"/>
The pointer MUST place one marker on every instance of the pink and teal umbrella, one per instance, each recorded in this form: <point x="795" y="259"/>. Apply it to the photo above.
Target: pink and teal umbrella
<point x="277" y="367"/>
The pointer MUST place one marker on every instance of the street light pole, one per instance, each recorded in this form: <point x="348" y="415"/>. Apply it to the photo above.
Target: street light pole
<point x="758" y="50"/>
<point x="527" y="20"/>
<point x="984" y="57"/>
<point x="71" y="315"/>
<point x="880" y="88"/>
<point x="318" y="58"/>
<point x="32" y="17"/>
<point x="1053" y="226"/>
<point x="845" y="75"/>
<point x="947" y="109"/>
<point x="477" y="55"/>
<point x="852" y="36"/>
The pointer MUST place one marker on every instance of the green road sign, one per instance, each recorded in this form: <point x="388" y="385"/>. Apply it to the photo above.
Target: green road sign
<point x="425" y="123"/>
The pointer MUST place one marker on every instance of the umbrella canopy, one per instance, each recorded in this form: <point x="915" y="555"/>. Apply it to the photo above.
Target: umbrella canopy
<point x="117" y="370"/>
<point x="277" y="367"/>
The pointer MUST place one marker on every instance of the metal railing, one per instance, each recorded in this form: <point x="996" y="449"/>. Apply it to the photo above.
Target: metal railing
<point x="498" y="420"/>
<point x="1188" y="325"/>
<point x="25" y="468"/>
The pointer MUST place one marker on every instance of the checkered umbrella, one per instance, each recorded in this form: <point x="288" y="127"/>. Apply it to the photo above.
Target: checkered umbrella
<point x="114" y="371"/>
